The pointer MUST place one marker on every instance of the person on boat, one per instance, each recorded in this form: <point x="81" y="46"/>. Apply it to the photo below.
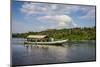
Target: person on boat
<point x="52" y="39"/>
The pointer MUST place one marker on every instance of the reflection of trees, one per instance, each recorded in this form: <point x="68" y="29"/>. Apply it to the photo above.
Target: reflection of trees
<point x="28" y="50"/>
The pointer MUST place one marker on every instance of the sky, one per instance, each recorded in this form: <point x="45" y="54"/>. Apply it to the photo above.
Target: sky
<point x="35" y="16"/>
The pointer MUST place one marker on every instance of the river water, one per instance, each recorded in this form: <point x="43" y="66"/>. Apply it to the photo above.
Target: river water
<point x="48" y="54"/>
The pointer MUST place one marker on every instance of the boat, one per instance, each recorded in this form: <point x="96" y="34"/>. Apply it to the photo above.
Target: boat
<point x="47" y="43"/>
<point x="43" y="40"/>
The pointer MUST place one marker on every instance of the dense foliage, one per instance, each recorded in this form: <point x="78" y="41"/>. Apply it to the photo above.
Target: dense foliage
<point x="71" y="34"/>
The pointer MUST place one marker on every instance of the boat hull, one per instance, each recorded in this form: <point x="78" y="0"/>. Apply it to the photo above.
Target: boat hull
<point x="47" y="43"/>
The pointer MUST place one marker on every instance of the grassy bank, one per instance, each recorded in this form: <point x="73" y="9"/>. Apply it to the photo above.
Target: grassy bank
<point x="73" y="34"/>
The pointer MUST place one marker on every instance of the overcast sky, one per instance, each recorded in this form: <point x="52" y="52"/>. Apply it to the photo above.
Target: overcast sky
<point x="31" y="16"/>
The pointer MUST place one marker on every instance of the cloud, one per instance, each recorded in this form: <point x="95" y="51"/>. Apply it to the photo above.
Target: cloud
<point x="53" y="13"/>
<point x="57" y="15"/>
<point x="31" y="8"/>
<point x="89" y="15"/>
<point x="61" y="20"/>
<point x="20" y="27"/>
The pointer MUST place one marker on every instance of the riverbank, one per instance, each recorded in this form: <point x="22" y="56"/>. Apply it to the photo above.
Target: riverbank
<point x="73" y="34"/>
<point x="82" y="41"/>
<point x="69" y="41"/>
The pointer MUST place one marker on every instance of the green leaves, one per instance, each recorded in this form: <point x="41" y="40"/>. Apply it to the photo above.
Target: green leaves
<point x="71" y="34"/>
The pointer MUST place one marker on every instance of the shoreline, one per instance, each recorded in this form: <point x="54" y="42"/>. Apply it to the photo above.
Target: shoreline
<point x="58" y="39"/>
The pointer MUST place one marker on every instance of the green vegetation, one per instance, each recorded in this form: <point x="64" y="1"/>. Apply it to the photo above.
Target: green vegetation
<point x="71" y="34"/>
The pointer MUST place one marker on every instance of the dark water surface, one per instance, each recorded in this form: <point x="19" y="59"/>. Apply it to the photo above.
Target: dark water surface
<point x="73" y="52"/>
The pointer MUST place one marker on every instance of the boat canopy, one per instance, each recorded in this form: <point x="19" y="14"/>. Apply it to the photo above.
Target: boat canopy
<point x="37" y="36"/>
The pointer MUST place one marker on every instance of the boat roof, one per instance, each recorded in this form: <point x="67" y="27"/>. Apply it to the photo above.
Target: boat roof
<point x="37" y="36"/>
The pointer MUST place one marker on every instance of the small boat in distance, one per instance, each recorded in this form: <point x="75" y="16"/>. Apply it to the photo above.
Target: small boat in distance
<point x="43" y="40"/>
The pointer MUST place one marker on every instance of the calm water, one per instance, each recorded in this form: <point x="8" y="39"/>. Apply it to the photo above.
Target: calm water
<point x="69" y="52"/>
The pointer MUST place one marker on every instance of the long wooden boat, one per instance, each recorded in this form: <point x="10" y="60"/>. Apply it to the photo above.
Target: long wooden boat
<point x="59" y="42"/>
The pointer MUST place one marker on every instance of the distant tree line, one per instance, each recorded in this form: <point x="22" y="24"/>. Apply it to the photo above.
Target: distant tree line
<point x="71" y="34"/>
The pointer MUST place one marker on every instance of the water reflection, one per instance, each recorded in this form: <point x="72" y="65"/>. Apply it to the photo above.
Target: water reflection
<point x="41" y="54"/>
